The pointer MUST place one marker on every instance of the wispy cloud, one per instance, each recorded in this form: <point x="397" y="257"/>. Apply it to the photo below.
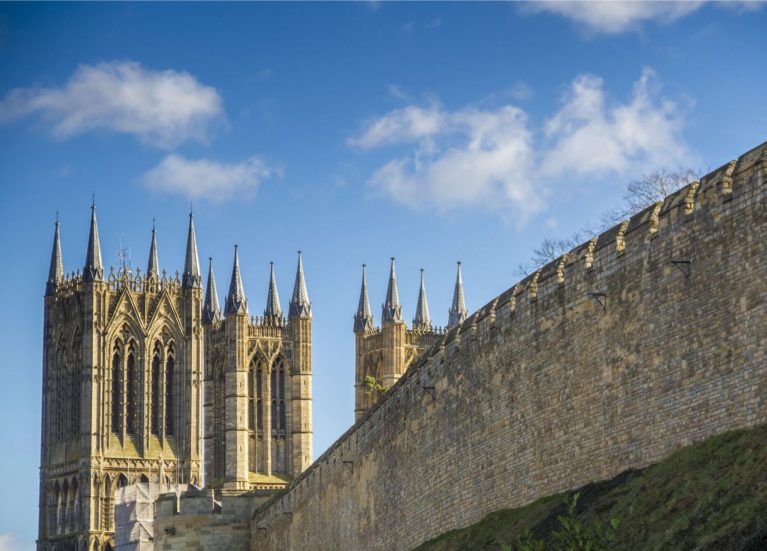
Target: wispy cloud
<point x="467" y="157"/>
<point x="207" y="179"/>
<point x="434" y="23"/>
<point x="615" y="17"/>
<point x="397" y="92"/>
<point x="160" y="108"/>
<point x="590" y="136"/>
<point x="495" y="159"/>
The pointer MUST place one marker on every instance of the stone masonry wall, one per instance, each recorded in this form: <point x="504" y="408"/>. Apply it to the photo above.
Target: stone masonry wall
<point x="544" y="389"/>
<point x="194" y="521"/>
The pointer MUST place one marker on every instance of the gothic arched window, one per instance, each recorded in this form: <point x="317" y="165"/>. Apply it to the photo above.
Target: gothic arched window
<point x="259" y="396"/>
<point x="116" y="389"/>
<point x="274" y="398"/>
<point x="130" y="391"/>
<point x="155" y="421"/>
<point x="278" y="395"/>
<point x="251" y="385"/>
<point x="76" y="390"/>
<point x="169" y="368"/>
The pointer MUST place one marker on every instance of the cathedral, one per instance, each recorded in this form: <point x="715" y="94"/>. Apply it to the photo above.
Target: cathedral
<point x="147" y="380"/>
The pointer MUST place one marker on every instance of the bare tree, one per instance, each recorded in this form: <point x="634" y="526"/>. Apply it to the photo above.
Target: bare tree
<point x="640" y="194"/>
<point x="648" y="190"/>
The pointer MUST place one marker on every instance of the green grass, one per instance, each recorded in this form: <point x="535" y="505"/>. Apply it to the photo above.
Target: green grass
<point x="707" y="496"/>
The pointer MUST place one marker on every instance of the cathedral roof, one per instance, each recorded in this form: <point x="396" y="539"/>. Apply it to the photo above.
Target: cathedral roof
<point x="300" y="306"/>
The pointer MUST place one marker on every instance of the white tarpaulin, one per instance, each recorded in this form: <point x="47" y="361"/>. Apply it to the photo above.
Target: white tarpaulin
<point x="134" y="514"/>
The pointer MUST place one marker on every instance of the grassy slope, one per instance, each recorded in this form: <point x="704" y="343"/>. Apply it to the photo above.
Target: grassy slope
<point x="711" y="495"/>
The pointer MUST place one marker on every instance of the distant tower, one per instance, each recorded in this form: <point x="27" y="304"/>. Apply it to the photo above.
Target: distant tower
<point x="121" y="389"/>
<point x="258" y="425"/>
<point x="384" y="354"/>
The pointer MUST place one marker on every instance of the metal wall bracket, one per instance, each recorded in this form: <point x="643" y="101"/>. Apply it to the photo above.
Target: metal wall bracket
<point x="600" y="298"/>
<point x="683" y="266"/>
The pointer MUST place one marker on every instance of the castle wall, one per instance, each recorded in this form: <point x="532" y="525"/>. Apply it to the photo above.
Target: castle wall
<point x="196" y="521"/>
<point x="544" y="389"/>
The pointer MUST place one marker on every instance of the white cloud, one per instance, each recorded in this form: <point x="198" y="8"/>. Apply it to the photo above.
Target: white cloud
<point x="588" y="136"/>
<point x="161" y="108"/>
<point x="612" y="17"/>
<point x="467" y="157"/>
<point x="495" y="159"/>
<point x="206" y="179"/>
<point x="410" y="123"/>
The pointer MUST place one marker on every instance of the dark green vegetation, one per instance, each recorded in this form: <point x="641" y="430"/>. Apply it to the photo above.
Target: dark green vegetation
<point x="711" y="495"/>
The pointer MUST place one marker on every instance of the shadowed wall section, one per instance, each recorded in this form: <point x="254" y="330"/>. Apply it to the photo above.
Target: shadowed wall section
<point x="650" y="337"/>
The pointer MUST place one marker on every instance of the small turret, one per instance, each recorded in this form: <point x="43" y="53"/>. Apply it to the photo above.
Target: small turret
<point x="93" y="269"/>
<point x="363" y="319"/>
<point x="392" y="311"/>
<point x="422" y="320"/>
<point x="457" y="312"/>
<point x="191" y="277"/>
<point x="236" y="303"/>
<point x="153" y="266"/>
<point x="300" y="307"/>
<point x="273" y="309"/>
<point x="211" y="311"/>
<point x="56" y="271"/>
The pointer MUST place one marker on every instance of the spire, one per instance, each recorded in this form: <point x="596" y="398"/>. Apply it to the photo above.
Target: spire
<point x="300" y="307"/>
<point x="363" y="319"/>
<point x="392" y="311"/>
<point x="153" y="266"/>
<point x="236" y="303"/>
<point x="272" y="309"/>
<point x="56" y="271"/>
<point x="211" y="311"/>
<point x="422" y="319"/>
<point x="93" y="270"/>
<point x="458" y="308"/>
<point x="191" y="276"/>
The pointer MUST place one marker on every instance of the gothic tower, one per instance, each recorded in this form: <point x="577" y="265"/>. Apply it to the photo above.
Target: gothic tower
<point x="122" y="367"/>
<point x="258" y="375"/>
<point x="384" y="354"/>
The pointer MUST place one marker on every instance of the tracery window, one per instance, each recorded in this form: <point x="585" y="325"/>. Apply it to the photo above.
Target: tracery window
<point x="130" y="391"/>
<point x="169" y="369"/>
<point x="116" y="375"/>
<point x="259" y="401"/>
<point x="155" y="397"/>
<point x="278" y="395"/>
<point x="251" y="385"/>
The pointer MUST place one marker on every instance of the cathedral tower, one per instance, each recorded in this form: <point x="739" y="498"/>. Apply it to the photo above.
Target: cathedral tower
<point x="122" y="368"/>
<point x="258" y="424"/>
<point x="384" y="354"/>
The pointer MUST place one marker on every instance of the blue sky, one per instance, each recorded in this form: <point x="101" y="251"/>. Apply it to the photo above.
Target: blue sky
<point x="352" y="131"/>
